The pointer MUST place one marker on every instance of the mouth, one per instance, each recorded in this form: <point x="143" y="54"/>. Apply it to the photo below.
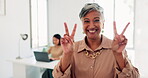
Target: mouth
<point x="92" y="31"/>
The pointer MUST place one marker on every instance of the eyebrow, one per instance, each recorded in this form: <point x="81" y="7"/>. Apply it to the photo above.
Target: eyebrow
<point x="97" y="18"/>
<point x="86" y="19"/>
<point x="94" y="18"/>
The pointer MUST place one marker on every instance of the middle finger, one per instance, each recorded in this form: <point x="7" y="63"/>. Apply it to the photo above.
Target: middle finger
<point x="74" y="30"/>
<point x="66" y="29"/>
<point x="125" y="28"/>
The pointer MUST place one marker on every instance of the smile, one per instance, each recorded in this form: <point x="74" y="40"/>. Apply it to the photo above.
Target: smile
<point x="92" y="30"/>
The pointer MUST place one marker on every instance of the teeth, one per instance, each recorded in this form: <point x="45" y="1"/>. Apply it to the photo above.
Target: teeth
<point x="92" y="31"/>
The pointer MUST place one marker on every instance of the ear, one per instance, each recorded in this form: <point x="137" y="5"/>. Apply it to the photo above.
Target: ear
<point x="103" y="25"/>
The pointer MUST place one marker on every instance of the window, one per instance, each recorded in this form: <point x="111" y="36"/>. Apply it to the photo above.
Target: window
<point x="39" y="25"/>
<point x="122" y="11"/>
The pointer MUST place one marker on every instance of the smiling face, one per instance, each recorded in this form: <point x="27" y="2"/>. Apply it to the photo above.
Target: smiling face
<point x="92" y="24"/>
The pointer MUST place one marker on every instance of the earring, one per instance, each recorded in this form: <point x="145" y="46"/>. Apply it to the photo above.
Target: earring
<point x="83" y="32"/>
<point x="102" y="31"/>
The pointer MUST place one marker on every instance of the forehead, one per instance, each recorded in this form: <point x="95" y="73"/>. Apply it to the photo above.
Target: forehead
<point x="92" y="14"/>
<point x="54" y="38"/>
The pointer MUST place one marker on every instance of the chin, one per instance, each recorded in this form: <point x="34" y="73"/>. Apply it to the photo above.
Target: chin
<point x="92" y="37"/>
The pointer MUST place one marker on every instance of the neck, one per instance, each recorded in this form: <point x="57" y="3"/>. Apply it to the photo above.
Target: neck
<point x="94" y="43"/>
<point x="57" y="45"/>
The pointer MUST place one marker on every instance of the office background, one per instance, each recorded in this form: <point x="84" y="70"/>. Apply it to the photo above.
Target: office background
<point x="17" y="21"/>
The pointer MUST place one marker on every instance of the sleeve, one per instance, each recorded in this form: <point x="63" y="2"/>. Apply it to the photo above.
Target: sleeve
<point x="57" y="73"/>
<point x="128" y="72"/>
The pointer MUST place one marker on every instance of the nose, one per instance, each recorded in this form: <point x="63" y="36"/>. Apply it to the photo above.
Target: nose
<point x="92" y="25"/>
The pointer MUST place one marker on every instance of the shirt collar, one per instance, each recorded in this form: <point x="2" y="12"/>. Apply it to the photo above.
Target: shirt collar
<point x="106" y="44"/>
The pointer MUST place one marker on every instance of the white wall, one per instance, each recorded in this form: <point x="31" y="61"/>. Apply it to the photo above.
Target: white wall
<point x="61" y="11"/>
<point x="15" y="22"/>
<point x="141" y="37"/>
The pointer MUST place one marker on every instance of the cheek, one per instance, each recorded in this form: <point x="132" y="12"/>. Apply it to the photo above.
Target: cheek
<point x="84" y="29"/>
<point x="58" y="42"/>
<point x="100" y="26"/>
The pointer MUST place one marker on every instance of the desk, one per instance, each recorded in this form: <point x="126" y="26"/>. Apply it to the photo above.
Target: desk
<point x="30" y="68"/>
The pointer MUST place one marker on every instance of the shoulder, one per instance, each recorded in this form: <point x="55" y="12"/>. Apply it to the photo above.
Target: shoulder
<point x="78" y="42"/>
<point x="106" y="42"/>
<point x="79" y="45"/>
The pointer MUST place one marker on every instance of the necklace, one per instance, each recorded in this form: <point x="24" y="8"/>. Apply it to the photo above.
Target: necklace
<point x="93" y="55"/>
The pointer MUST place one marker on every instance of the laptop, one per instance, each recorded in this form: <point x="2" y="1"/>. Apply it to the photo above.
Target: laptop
<point x="42" y="56"/>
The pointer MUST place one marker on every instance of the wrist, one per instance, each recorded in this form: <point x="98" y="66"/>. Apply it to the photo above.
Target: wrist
<point x="66" y="60"/>
<point x="119" y="54"/>
<point x="67" y="53"/>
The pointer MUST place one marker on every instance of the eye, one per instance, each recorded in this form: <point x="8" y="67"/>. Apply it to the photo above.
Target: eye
<point x="96" y="20"/>
<point x="86" y="21"/>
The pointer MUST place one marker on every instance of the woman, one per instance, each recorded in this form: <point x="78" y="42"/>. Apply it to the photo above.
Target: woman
<point x="56" y="50"/>
<point x="96" y="56"/>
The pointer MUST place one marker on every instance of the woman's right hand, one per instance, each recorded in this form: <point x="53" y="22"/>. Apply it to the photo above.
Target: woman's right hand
<point x="67" y="40"/>
<point x="67" y="46"/>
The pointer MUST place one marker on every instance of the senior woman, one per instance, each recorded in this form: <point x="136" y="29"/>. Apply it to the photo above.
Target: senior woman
<point x="95" y="56"/>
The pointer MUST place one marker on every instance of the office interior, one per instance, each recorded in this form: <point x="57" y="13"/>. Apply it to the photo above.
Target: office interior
<point x="16" y="19"/>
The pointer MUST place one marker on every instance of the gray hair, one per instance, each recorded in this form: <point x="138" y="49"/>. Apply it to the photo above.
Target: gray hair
<point x="91" y="7"/>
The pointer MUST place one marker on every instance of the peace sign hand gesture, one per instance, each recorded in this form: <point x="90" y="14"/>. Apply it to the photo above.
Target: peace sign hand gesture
<point x="67" y="40"/>
<point x="120" y="41"/>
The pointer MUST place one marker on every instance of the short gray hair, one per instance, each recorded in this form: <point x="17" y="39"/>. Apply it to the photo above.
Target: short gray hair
<point x="91" y="7"/>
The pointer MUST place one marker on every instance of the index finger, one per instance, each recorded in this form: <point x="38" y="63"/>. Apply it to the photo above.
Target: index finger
<point x="66" y="28"/>
<point x="74" y="30"/>
<point x="125" y="28"/>
<point x="115" y="29"/>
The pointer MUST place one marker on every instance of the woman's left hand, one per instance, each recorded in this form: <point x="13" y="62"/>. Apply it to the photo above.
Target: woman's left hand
<point x="119" y="41"/>
<point x="54" y="58"/>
